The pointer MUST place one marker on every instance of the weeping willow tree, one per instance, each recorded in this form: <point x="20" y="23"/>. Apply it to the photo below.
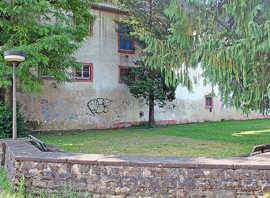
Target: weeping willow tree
<point x="231" y="41"/>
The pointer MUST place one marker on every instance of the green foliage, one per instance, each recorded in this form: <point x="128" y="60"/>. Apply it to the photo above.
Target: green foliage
<point x="4" y="184"/>
<point x="146" y="16"/>
<point x="147" y="20"/>
<point x="49" y="32"/>
<point x="143" y="82"/>
<point x="235" y="50"/>
<point x="21" y="187"/>
<point x="6" y="122"/>
<point x="229" y="39"/>
<point x="165" y="35"/>
<point x="172" y="53"/>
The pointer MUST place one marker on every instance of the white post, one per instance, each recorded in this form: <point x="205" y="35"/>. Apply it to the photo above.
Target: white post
<point x="14" y="132"/>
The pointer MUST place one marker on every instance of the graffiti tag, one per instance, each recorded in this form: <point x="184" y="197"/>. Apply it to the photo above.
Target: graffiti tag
<point x="99" y="105"/>
<point x="55" y="110"/>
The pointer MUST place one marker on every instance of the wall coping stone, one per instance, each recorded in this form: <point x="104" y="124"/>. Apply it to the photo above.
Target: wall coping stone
<point x="25" y="151"/>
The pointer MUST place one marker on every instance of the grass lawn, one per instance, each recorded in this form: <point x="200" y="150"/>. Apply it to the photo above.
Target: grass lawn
<point x="227" y="138"/>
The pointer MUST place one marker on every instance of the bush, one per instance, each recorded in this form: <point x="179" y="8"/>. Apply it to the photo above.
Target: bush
<point x="6" y="122"/>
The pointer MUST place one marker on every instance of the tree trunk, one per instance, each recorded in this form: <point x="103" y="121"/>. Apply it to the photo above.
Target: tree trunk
<point x="151" y="110"/>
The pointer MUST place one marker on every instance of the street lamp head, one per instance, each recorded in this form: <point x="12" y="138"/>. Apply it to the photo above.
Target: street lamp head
<point x="14" y="56"/>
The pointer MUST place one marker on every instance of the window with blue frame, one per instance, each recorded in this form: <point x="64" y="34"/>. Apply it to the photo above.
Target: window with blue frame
<point x="125" y="45"/>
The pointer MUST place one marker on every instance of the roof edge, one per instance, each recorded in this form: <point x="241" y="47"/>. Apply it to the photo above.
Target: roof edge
<point x="108" y="9"/>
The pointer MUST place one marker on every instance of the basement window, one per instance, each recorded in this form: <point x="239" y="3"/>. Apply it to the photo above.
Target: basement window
<point x="85" y="73"/>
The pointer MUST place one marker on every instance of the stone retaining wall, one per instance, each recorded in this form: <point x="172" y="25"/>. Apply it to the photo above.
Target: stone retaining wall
<point x="136" y="176"/>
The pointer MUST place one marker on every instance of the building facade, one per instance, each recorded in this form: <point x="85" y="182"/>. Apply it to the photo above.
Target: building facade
<point x="98" y="98"/>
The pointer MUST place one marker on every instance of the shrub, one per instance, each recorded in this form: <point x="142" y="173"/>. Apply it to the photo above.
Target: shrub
<point x="6" y="122"/>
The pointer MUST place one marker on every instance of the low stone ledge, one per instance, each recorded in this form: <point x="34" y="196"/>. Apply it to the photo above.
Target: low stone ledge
<point x="24" y="151"/>
<point x="119" y="175"/>
<point x="257" y="163"/>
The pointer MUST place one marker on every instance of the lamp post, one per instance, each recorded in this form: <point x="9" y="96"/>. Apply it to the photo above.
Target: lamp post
<point x="14" y="57"/>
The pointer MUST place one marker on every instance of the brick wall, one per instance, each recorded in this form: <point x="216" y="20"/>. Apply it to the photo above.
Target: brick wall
<point x="137" y="176"/>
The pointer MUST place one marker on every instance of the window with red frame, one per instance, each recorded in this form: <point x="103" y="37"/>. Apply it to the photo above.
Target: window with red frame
<point x="209" y="102"/>
<point x="85" y="73"/>
<point x="124" y="73"/>
<point x="125" y="45"/>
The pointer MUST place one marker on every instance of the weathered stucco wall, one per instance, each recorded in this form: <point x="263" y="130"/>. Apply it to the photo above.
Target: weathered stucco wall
<point x="105" y="103"/>
<point x="136" y="176"/>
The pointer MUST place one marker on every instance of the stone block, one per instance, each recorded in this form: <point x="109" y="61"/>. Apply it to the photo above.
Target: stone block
<point x="55" y="167"/>
<point x="83" y="168"/>
<point x="160" y="172"/>
<point x="26" y="165"/>
<point x="219" y="194"/>
<point x="187" y="184"/>
<point x="147" y="172"/>
<point x="266" y="174"/>
<point x="130" y="181"/>
<point x="95" y="170"/>
<point x="39" y="183"/>
<point x="179" y="193"/>
<point x="122" y="191"/>
<point x="266" y="188"/>
<point x="195" y="173"/>
<point x="132" y="171"/>
<point x="249" y="185"/>
<point x="213" y="173"/>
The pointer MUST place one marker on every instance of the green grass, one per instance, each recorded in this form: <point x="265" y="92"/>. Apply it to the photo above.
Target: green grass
<point x="6" y="190"/>
<point x="4" y="184"/>
<point x="227" y="138"/>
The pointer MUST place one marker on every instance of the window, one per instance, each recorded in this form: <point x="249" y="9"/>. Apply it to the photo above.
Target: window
<point x="124" y="45"/>
<point x="225" y="105"/>
<point x="85" y="73"/>
<point x="124" y="73"/>
<point x="209" y="103"/>
<point x="45" y="73"/>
